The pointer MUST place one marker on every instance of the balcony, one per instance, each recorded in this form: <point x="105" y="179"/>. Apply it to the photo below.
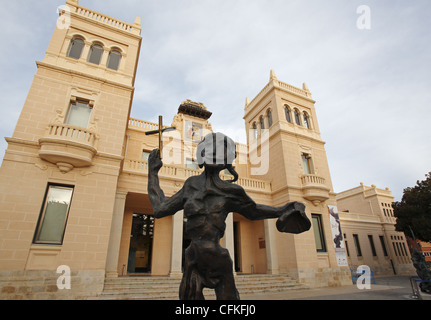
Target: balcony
<point x="181" y="173"/>
<point x="314" y="188"/>
<point x="68" y="146"/>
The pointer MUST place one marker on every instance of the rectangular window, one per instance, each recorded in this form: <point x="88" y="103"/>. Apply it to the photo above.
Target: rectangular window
<point x="347" y="245"/>
<point x="398" y="248"/>
<point x="53" y="217"/>
<point x="79" y="114"/>
<point x="382" y="242"/>
<point x="373" y="248"/>
<point x="404" y="249"/>
<point x="318" y="232"/>
<point x="357" y="245"/>
<point x="306" y="163"/>
<point x="395" y="250"/>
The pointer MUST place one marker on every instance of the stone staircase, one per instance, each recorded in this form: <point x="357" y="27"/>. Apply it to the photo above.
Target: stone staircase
<point x="166" y="288"/>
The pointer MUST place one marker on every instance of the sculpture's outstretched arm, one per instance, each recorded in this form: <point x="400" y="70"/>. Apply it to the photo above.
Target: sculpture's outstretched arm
<point x="291" y="216"/>
<point x="162" y="206"/>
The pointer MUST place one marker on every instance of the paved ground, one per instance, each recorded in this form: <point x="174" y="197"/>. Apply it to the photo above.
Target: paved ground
<point x="385" y="288"/>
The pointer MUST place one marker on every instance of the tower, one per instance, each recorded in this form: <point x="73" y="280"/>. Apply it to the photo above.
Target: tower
<point x="286" y="148"/>
<point x="286" y="117"/>
<point x="69" y="143"/>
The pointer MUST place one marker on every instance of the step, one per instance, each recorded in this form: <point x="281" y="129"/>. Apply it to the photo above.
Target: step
<point x="167" y="285"/>
<point x="154" y="290"/>
<point x="208" y="293"/>
<point x="162" y="288"/>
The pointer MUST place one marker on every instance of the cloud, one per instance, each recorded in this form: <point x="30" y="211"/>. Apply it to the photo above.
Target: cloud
<point x="371" y="86"/>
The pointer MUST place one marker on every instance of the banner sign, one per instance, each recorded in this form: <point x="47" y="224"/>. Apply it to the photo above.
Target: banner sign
<point x="337" y="237"/>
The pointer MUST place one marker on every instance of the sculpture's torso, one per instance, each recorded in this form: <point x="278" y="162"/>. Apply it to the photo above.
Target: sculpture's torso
<point x="204" y="208"/>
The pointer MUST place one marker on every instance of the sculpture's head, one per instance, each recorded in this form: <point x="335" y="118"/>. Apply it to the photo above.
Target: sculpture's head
<point x="217" y="151"/>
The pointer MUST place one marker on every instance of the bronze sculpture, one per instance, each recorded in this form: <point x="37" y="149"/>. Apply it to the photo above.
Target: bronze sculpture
<point x="207" y="200"/>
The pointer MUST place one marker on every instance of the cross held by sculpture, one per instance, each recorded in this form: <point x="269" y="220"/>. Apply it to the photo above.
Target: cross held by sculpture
<point x="160" y="131"/>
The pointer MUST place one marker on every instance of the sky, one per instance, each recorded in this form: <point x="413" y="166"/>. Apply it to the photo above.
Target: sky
<point x="372" y="86"/>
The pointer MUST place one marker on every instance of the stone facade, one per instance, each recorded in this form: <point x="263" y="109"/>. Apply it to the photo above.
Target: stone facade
<point x="49" y="149"/>
<point x="75" y="134"/>
<point x="42" y="285"/>
<point x="368" y="224"/>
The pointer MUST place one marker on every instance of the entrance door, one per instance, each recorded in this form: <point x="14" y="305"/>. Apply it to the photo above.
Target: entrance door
<point x="141" y="244"/>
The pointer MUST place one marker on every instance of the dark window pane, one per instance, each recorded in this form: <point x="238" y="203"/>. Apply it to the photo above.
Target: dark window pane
<point x="269" y="118"/>
<point x="75" y="49"/>
<point x="79" y="114"/>
<point x="114" y="60"/>
<point x="54" y="215"/>
<point x="297" y="120"/>
<point x="287" y="112"/>
<point x="96" y="52"/>
<point x="318" y="233"/>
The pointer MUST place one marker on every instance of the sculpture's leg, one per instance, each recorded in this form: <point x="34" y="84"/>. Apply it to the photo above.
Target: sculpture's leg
<point x="226" y="289"/>
<point x="191" y="284"/>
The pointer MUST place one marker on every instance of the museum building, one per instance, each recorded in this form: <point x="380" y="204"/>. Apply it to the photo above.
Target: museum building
<point x="74" y="178"/>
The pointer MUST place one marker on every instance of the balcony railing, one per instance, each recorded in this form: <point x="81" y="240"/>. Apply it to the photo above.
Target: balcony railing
<point x="314" y="188"/>
<point x="143" y="125"/>
<point x="141" y="166"/>
<point x="72" y="133"/>
<point x="68" y="146"/>
<point x="279" y="85"/>
<point x="308" y="179"/>
<point x="103" y="18"/>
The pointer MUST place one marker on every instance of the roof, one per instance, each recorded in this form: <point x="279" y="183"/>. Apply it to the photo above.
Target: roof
<point x="195" y="109"/>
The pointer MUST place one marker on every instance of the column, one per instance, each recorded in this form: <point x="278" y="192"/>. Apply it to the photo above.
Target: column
<point x="115" y="235"/>
<point x="105" y="55"/>
<point x="271" y="246"/>
<point x="177" y="245"/>
<point x="85" y="51"/>
<point x="122" y="65"/>
<point x="66" y="44"/>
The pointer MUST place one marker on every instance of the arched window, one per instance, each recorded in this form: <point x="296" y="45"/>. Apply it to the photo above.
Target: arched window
<point x="269" y="114"/>
<point x="254" y="128"/>
<point x="262" y="124"/>
<point x="287" y="113"/>
<point x="297" y="119"/>
<point x="307" y="121"/>
<point x="114" y="60"/>
<point x="75" y="48"/>
<point x="95" y="55"/>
